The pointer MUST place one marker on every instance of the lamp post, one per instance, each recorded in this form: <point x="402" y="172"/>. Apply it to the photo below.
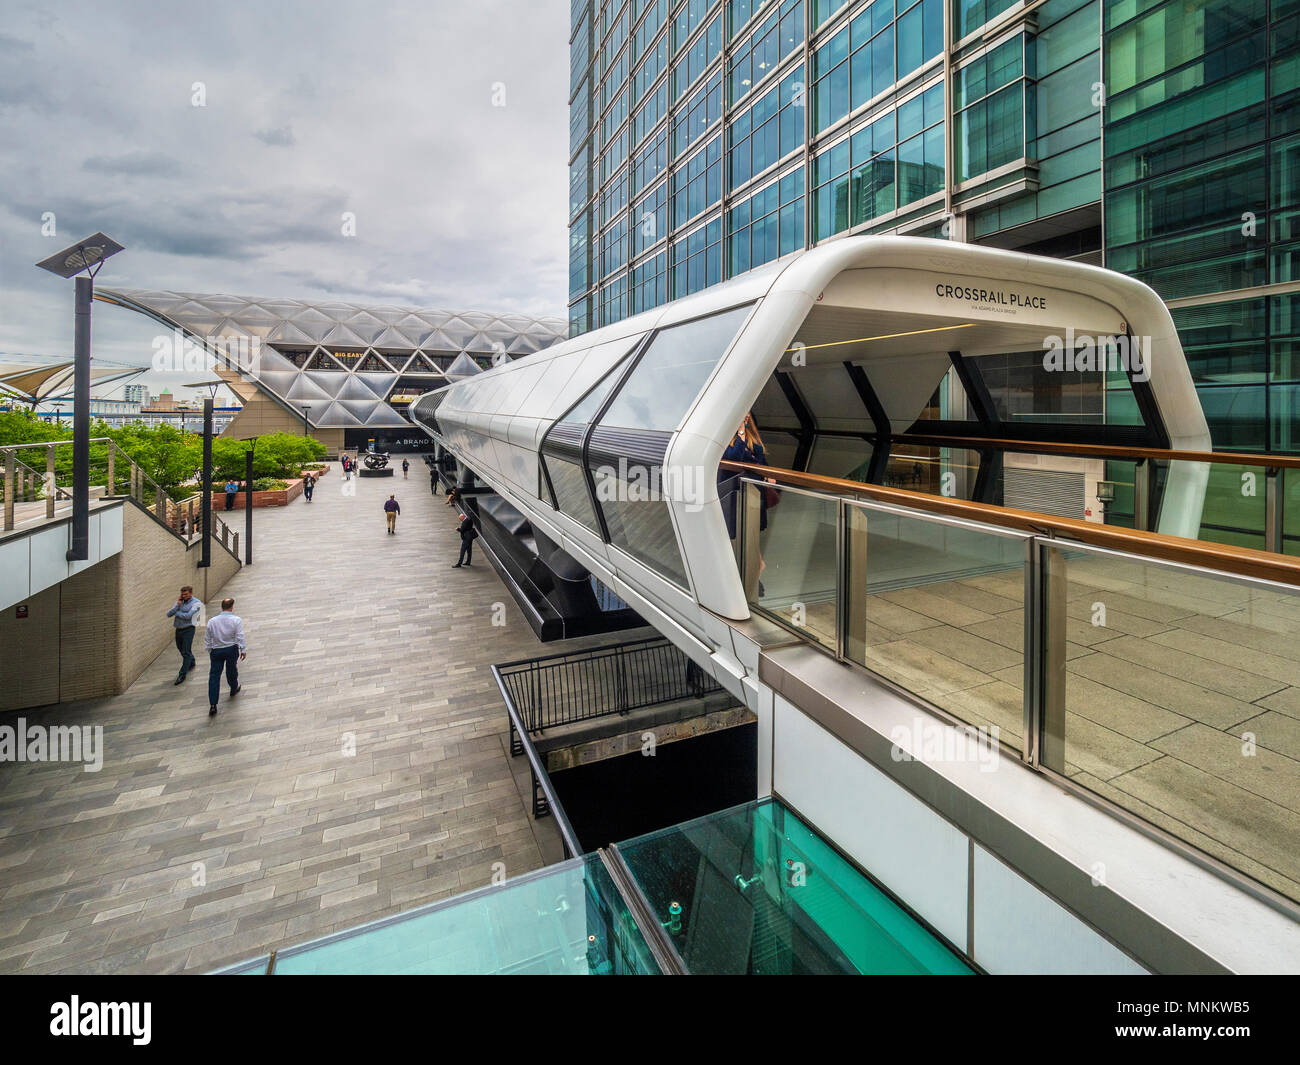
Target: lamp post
<point x="205" y="504"/>
<point x="87" y="255"/>
<point x="248" y="502"/>
<point x="1105" y="496"/>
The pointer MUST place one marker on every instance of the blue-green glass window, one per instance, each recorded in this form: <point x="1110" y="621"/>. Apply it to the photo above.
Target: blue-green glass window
<point x="767" y="225"/>
<point x="762" y="51"/>
<point x="613" y="156"/>
<point x="614" y="198"/>
<point x="769" y="130"/>
<point x="649" y="283"/>
<point x="579" y="317"/>
<point x="612" y="81"/>
<point x="1236" y="416"/>
<point x="613" y="248"/>
<point x="697" y="183"/>
<point x="579" y="118"/>
<point x="650" y="161"/>
<point x="703" y="51"/>
<point x="650" y="219"/>
<point x="831" y="80"/>
<point x="920" y="147"/>
<point x="580" y="179"/>
<point x="580" y="53"/>
<point x="824" y="9"/>
<point x="649" y="113"/>
<point x="693" y="120"/>
<point x="613" y="301"/>
<point x="649" y="28"/>
<point x="920" y="34"/>
<point x="691" y="14"/>
<point x="697" y="259"/>
<point x="992" y="122"/>
<point x="654" y="64"/>
<point x="579" y="257"/>
<point x="831" y="193"/>
<point x="970" y="15"/>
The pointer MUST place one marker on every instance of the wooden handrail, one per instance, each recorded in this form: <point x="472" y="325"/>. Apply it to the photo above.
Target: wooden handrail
<point x="1099" y="451"/>
<point x="1243" y="561"/>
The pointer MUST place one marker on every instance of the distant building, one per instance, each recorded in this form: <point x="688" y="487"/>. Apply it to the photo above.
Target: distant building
<point x="136" y="394"/>
<point x="343" y="372"/>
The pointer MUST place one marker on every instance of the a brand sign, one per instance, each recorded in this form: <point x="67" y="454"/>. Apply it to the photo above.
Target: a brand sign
<point x="973" y="299"/>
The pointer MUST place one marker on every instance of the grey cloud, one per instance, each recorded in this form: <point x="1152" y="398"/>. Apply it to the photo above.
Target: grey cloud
<point x="280" y="137"/>
<point x="136" y="163"/>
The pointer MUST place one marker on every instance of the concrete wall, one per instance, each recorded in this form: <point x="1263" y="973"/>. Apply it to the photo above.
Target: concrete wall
<point x="94" y="633"/>
<point x="156" y="564"/>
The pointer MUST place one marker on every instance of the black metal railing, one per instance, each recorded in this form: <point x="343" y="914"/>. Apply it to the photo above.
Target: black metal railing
<point x="566" y="688"/>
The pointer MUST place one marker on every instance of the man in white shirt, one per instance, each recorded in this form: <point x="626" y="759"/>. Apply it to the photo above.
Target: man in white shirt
<point x="224" y="642"/>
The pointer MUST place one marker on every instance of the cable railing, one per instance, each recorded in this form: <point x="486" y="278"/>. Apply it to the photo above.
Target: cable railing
<point x="1159" y="674"/>
<point x="113" y="471"/>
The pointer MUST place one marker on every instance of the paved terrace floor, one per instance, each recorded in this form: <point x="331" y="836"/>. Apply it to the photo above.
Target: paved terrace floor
<point x="355" y="638"/>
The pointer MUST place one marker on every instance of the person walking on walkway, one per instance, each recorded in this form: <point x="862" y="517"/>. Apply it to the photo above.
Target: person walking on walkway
<point x="231" y="488"/>
<point x="405" y="466"/>
<point x="468" y="534"/>
<point x="308" y="485"/>
<point x="224" y="641"/>
<point x="391" y="510"/>
<point x="184" y="614"/>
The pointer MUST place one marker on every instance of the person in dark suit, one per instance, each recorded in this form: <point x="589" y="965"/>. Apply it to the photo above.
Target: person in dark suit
<point x="468" y="534"/>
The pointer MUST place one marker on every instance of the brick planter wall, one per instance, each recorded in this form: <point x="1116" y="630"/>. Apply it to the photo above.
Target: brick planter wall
<point x="279" y="498"/>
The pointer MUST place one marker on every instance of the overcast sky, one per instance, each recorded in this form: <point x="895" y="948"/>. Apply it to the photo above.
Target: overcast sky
<point x="313" y="108"/>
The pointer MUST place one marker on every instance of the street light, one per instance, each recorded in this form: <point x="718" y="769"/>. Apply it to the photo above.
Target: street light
<point x="87" y="255"/>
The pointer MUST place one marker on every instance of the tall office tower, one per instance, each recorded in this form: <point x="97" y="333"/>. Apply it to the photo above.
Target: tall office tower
<point x="708" y="137"/>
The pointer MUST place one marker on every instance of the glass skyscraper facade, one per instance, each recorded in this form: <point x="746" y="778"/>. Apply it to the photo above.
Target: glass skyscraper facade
<point x="1160" y="139"/>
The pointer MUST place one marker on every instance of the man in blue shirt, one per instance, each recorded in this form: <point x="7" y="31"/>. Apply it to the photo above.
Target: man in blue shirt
<point x="224" y="641"/>
<point x="185" y="613"/>
<point x="391" y="510"/>
<point x="232" y="487"/>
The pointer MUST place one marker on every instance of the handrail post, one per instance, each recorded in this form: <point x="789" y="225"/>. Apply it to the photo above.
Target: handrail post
<point x="1142" y="495"/>
<point x="235" y="542"/>
<point x="9" y="488"/>
<point x="50" y="490"/>
<point x="1273" y="509"/>
<point x="1050" y="721"/>
<point x="112" y="470"/>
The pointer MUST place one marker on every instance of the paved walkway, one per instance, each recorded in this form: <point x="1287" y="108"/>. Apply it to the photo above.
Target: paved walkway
<point x="361" y="771"/>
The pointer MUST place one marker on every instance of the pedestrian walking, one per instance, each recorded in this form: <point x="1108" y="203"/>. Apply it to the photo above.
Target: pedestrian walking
<point x="232" y="487"/>
<point x="405" y="466"/>
<point x="308" y="486"/>
<point x="184" y="614"/>
<point x="224" y="641"/>
<point x="391" y="510"/>
<point x="468" y="534"/>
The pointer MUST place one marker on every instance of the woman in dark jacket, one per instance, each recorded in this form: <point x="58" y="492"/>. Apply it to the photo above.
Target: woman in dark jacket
<point x="746" y="446"/>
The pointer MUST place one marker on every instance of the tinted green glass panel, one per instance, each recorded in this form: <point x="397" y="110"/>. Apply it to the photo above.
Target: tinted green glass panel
<point x="747" y="905"/>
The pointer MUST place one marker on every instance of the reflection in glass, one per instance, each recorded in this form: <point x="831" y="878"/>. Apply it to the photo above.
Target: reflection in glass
<point x="938" y="608"/>
<point x="754" y="890"/>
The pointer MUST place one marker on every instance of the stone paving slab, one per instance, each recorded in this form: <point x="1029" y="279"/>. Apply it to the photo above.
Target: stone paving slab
<point x="361" y="771"/>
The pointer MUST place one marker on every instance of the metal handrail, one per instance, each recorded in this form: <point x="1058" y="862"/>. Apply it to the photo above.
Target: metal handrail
<point x="1263" y="460"/>
<point x="570" y="687"/>
<point x="1239" y="561"/>
<point x="139" y="484"/>
<point x="1047" y="546"/>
